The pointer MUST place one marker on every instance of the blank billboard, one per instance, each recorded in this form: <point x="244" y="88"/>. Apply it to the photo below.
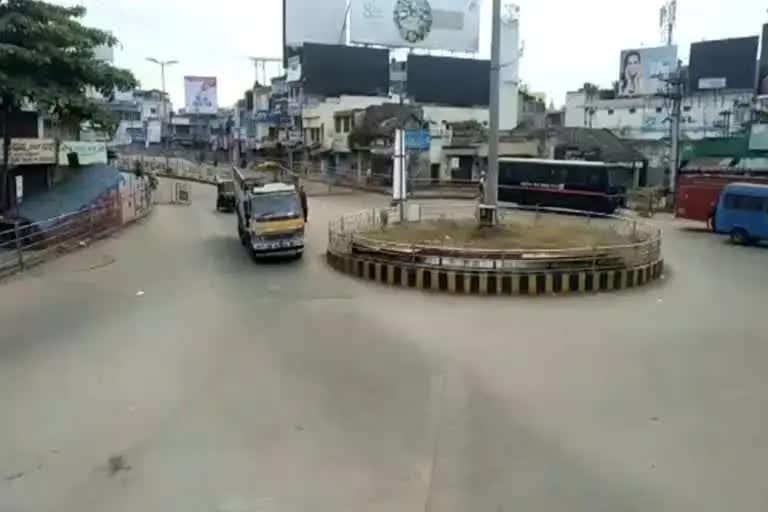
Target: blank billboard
<point x="333" y="70"/>
<point x="314" y="21"/>
<point x="643" y="70"/>
<point x="723" y="64"/>
<point x="449" y="81"/>
<point x="435" y="24"/>
<point x="762" y="80"/>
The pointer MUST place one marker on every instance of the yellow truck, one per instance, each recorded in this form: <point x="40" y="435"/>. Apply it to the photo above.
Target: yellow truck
<point x="270" y="219"/>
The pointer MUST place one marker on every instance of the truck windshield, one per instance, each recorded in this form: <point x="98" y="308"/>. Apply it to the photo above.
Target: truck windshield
<point x="270" y="205"/>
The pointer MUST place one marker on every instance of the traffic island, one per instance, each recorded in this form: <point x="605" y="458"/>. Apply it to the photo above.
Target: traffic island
<point x="530" y="252"/>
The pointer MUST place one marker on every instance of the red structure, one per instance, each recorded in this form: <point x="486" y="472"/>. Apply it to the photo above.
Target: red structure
<point x="697" y="194"/>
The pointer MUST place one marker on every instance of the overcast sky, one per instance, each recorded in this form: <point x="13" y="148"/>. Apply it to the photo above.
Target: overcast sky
<point x="567" y="42"/>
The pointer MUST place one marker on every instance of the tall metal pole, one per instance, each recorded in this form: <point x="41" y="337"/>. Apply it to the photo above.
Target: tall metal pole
<point x="677" y="101"/>
<point x="492" y="176"/>
<point x="487" y="210"/>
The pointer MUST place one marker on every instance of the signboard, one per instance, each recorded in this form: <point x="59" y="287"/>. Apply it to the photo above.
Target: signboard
<point x="314" y="21"/>
<point x="435" y="24"/>
<point x="713" y="83"/>
<point x="758" y="137"/>
<point x="19" y="188"/>
<point x="88" y="153"/>
<point x="32" y="151"/>
<point x="200" y="94"/>
<point x="732" y="62"/>
<point x="417" y="140"/>
<point x="642" y="70"/>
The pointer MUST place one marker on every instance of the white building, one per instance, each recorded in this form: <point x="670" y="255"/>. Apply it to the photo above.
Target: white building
<point x="704" y="114"/>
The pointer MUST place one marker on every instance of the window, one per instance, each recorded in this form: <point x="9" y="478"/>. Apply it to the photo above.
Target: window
<point x="632" y="110"/>
<point x="659" y="110"/>
<point x="338" y="124"/>
<point x="687" y="108"/>
<point x="347" y="122"/>
<point x="745" y="203"/>
<point x="610" y="111"/>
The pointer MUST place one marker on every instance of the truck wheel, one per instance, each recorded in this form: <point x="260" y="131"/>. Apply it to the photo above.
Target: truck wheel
<point x="740" y="236"/>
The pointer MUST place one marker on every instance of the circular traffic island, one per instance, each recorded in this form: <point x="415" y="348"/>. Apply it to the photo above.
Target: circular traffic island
<point x="530" y="252"/>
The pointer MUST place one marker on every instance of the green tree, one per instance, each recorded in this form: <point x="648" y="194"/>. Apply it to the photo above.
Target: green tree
<point x="47" y="58"/>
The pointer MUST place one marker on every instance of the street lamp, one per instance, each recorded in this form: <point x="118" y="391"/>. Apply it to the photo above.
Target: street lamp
<point x="162" y="64"/>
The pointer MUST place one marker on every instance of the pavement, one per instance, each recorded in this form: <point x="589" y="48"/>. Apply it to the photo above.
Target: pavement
<point x="163" y="370"/>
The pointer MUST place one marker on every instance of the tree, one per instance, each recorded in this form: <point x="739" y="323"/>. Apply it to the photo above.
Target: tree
<point x="47" y="58"/>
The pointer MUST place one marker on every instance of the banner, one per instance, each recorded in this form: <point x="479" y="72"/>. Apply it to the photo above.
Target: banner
<point x="88" y="153"/>
<point x="434" y="24"/>
<point x="643" y="70"/>
<point x="201" y="96"/>
<point x="31" y="152"/>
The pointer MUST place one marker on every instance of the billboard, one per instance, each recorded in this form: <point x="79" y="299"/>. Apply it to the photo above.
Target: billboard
<point x="762" y="77"/>
<point x="333" y="70"/>
<point x="642" y="70"/>
<point x="434" y="24"/>
<point x="313" y="21"/>
<point x="723" y="64"/>
<point x="200" y="94"/>
<point x="449" y="80"/>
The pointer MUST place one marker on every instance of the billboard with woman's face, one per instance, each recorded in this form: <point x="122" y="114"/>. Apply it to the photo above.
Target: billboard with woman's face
<point x="643" y="70"/>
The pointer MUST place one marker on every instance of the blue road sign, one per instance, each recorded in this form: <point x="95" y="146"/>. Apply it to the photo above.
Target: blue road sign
<point x="417" y="140"/>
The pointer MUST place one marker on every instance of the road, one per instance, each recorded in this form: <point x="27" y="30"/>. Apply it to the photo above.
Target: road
<point x="236" y="387"/>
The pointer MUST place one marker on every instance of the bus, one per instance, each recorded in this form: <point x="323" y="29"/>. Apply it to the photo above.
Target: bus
<point x="742" y="213"/>
<point x="571" y="184"/>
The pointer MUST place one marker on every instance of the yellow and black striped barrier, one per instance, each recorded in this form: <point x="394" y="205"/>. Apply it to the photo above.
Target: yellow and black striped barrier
<point x="495" y="283"/>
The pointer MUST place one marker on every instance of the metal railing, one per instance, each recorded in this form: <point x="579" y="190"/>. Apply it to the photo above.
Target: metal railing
<point x="26" y="244"/>
<point x="355" y="234"/>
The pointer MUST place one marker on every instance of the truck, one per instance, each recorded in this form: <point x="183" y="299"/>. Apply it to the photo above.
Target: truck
<point x="270" y="219"/>
<point x="698" y="193"/>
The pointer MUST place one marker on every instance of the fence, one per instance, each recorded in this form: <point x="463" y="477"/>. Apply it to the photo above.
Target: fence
<point x="24" y="245"/>
<point x="336" y="179"/>
<point x="354" y="234"/>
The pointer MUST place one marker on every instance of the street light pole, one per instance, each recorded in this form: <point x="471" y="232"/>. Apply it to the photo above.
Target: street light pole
<point x="488" y="213"/>
<point x="163" y="64"/>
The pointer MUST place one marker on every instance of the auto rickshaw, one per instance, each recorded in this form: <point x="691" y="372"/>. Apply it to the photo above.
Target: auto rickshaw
<point x="225" y="198"/>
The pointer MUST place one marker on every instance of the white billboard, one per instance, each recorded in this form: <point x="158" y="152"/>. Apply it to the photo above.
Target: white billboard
<point x="434" y="24"/>
<point x="314" y="21"/>
<point x="200" y="94"/>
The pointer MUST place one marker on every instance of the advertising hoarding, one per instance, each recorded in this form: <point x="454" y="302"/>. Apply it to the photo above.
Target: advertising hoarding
<point x="449" y="80"/>
<point x="333" y="70"/>
<point x="313" y="21"/>
<point x="762" y="77"/>
<point x="200" y="94"/>
<point x="88" y="153"/>
<point x="723" y="64"/>
<point x="434" y="24"/>
<point x="642" y="70"/>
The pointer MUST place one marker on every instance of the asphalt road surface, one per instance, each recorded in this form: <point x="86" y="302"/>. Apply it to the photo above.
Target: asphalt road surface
<point x="236" y="387"/>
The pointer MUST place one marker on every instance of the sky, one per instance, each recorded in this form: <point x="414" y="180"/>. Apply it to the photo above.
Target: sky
<point x="566" y="42"/>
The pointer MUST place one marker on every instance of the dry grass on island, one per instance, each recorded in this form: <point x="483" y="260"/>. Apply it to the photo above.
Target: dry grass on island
<point x="545" y="233"/>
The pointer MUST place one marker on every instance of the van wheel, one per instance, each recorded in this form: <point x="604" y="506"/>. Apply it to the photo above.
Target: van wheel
<point x="740" y="236"/>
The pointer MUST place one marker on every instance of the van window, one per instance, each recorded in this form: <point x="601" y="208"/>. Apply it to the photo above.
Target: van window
<point x="744" y="202"/>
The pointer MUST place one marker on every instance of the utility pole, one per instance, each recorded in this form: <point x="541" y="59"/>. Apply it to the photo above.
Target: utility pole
<point x="163" y="64"/>
<point x="674" y="93"/>
<point x="488" y="210"/>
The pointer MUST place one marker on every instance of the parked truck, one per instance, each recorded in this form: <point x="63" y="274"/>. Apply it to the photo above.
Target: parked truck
<point x="270" y="219"/>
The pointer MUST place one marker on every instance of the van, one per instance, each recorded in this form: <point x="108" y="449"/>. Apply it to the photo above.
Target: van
<point x="742" y="212"/>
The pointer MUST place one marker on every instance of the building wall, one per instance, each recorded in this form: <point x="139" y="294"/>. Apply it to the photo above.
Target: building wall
<point x="321" y="116"/>
<point x="647" y="118"/>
